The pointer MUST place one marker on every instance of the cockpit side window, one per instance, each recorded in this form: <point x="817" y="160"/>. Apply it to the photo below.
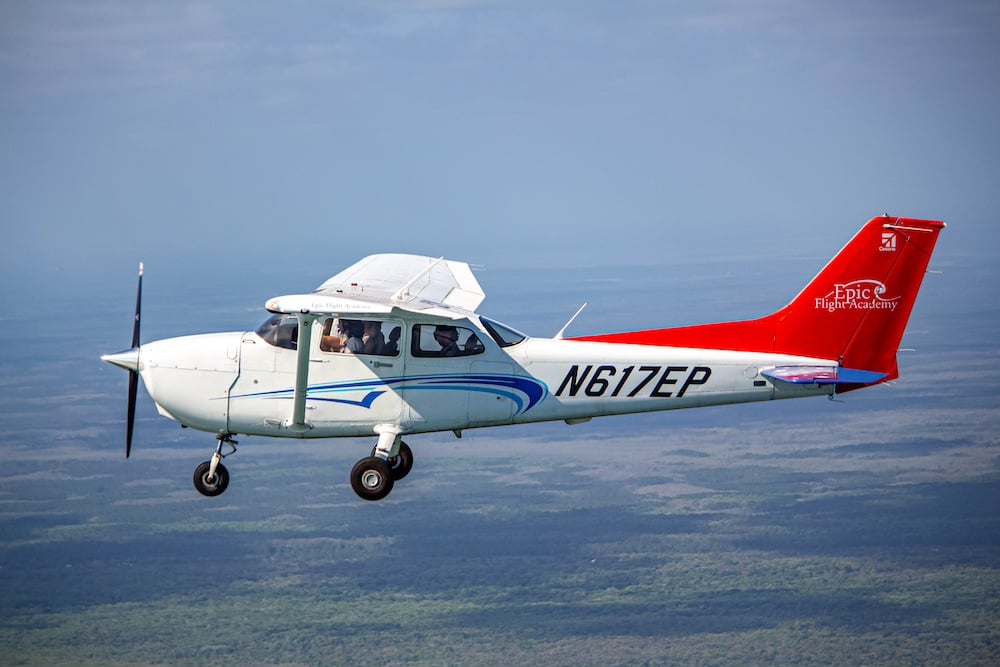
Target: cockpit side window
<point x="280" y="331"/>
<point x="444" y="340"/>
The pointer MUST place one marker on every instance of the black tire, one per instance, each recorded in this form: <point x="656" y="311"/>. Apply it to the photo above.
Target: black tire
<point x="371" y="478"/>
<point x="211" y="487"/>
<point x="401" y="463"/>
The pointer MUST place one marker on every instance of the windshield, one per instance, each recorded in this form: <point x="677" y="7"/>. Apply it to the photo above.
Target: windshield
<point x="281" y="331"/>
<point x="501" y="333"/>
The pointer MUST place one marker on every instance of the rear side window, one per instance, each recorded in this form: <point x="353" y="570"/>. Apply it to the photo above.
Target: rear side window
<point x="444" y="340"/>
<point x="373" y="337"/>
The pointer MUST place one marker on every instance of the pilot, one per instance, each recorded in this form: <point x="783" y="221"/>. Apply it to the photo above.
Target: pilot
<point x="473" y="345"/>
<point x="447" y="337"/>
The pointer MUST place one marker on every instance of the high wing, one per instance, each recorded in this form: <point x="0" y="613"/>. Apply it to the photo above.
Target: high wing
<point x="379" y="283"/>
<point x="414" y="282"/>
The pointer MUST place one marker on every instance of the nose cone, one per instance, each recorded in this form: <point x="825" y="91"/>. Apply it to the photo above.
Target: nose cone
<point x="127" y="359"/>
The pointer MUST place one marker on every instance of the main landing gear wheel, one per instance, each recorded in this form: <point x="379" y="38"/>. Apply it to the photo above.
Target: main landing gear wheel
<point x="372" y="478"/>
<point x="401" y="463"/>
<point x="211" y="486"/>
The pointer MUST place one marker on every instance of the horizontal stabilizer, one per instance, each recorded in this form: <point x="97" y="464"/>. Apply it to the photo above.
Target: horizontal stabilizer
<point x="822" y="375"/>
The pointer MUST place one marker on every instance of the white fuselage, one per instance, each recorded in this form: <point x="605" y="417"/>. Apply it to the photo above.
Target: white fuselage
<point x="238" y="383"/>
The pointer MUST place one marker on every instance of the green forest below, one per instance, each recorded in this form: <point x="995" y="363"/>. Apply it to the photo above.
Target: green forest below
<point x="558" y="556"/>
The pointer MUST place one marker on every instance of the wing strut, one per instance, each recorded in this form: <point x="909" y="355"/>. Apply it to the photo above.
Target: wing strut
<point x="297" y="422"/>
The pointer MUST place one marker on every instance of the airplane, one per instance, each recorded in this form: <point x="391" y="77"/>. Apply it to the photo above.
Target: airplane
<point x="393" y="346"/>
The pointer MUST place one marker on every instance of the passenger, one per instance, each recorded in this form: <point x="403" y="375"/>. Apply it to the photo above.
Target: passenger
<point x="391" y="348"/>
<point x="447" y="337"/>
<point x="330" y="342"/>
<point x="353" y="330"/>
<point x="373" y="341"/>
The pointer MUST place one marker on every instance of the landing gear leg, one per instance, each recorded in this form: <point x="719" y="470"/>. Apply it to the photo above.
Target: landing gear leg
<point x="211" y="477"/>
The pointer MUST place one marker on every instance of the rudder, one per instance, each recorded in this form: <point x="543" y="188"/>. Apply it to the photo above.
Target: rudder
<point x="856" y="309"/>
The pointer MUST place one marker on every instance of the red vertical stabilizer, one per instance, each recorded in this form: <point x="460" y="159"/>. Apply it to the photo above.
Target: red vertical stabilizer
<point x="853" y="312"/>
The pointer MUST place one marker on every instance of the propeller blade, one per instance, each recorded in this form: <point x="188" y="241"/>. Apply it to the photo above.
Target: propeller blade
<point x="133" y="376"/>
<point x="133" y="386"/>
<point x="138" y="310"/>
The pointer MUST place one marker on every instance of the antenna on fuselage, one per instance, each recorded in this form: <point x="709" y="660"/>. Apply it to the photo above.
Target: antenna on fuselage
<point x="559" y="335"/>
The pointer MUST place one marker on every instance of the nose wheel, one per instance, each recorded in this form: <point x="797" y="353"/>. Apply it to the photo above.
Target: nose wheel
<point x="211" y="477"/>
<point x="209" y="484"/>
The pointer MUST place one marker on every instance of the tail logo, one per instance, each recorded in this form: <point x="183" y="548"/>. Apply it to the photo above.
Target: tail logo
<point x="888" y="242"/>
<point x="864" y="294"/>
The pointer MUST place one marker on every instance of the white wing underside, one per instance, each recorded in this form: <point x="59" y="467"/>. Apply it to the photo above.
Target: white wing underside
<point x="408" y="281"/>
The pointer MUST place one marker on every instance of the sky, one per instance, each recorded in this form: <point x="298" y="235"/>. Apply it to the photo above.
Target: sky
<point x="218" y="136"/>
